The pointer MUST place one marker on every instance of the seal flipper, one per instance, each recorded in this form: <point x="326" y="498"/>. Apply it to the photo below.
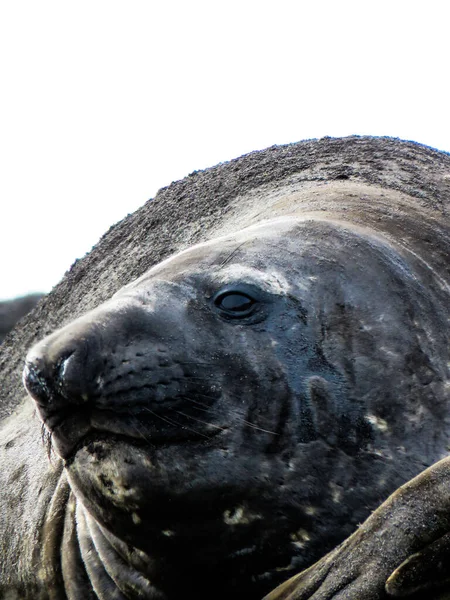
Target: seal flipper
<point x="413" y="521"/>
<point x="424" y="571"/>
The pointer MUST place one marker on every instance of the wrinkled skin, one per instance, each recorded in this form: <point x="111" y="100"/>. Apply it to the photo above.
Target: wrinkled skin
<point x="237" y="411"/>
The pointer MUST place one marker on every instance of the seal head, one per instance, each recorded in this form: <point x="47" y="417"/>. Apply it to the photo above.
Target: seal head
<point x="237" y="410"/>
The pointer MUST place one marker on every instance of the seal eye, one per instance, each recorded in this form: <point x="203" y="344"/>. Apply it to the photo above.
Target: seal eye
<point x="234" y="303"/>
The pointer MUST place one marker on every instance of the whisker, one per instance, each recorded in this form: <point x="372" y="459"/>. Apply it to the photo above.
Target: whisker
<point x="202" y="404"/>
<point x="46" y="436"/>
<point x="139" y="431"/>
<point x="167" y="420"/>
<point x="197" y="394"/>
<point x="205" y="408"/>
<point x="253" y="426"/>
<point x="199" y="420"/>
<point x="174" y="423"/>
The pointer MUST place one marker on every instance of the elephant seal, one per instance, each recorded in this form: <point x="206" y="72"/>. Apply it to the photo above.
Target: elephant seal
<point x="223" y="421"/>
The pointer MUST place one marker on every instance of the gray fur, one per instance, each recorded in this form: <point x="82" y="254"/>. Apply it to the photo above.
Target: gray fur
<point x="11" y="311"/>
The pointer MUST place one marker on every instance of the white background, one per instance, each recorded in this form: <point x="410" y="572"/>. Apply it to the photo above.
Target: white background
<point x="104" y="102"/>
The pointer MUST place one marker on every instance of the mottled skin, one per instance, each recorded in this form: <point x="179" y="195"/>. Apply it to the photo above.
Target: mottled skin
<point x="213" y="450"/>
<point x="401" y="551"/>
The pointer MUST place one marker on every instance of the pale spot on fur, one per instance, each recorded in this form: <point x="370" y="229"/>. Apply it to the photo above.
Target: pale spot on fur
<point x="117" y="488"/>
<point x="41" y="574"/>
<point x="120" y="489"/>
<point x="168" y="532"/>
<point x="243" y="551"/>
<point x="310" y="510"/>
<point x="286" y="568"/>
<point x="336" y="492"/>
<point x="388" y="352"/>
<point x="272" y="281"/>
<point x="240" y="516"/>
<point x="136" y="518"/>
<point x="384" y="453"/>
<point x="377" y="422"/>
<point x="300" y="538"/>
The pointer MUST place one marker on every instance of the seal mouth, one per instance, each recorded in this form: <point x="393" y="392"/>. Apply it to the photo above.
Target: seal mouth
<point x="74" y="427"/>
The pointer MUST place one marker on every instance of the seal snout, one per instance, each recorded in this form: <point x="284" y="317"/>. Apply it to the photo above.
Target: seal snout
<point x="46" y="382"/>
<point x="60" y="371"/>
<point x="60" y="375"/>
<point x="35" y="384"/>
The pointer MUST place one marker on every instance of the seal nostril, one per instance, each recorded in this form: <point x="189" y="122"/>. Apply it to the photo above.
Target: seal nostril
<point x="35" y="384"/>
<point x="45" y="380"/>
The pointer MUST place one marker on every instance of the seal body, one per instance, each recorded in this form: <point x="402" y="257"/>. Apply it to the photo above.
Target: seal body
<point x="11" y="311"/>
<point x="234" y="413"/>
